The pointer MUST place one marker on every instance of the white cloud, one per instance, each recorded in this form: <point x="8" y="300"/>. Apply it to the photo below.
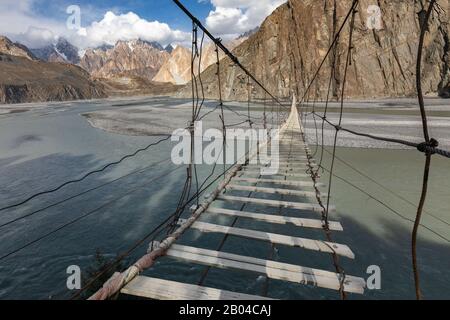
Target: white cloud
<point x="128" y="26"/>
<point x="20" y="23"/>
<point x="233" y="17"/>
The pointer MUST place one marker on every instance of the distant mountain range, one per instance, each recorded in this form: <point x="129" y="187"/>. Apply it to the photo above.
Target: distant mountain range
<point x="25" y="78"/>
<point x="15" y="49"/>
<point x="61" y="51"/>
<point x="127" y="58"/>
<point x="177" y="69"/>
<point x="56" y="72"/>
<point x="135" y="58"/>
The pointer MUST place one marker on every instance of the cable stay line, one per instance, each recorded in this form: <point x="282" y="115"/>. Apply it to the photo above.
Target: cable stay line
<point x="84" y="176"/>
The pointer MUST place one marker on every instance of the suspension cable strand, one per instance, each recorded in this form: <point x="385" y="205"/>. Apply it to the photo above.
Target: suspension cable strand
<point x="336" y="37"/>
<point x="80" y="194"/>
<point x="422" y="147"/>
<point x="85" y="175"/>
<point x="428" y="141"/>
<point x="83" y="216"/>
<point x="352" y="25"/>
<point x="384" y="204"/>
<point x="222" y="115"/>
<point x="332" y="76"/>
<point x="385" y="188"/>
<point x="219" y="43"/>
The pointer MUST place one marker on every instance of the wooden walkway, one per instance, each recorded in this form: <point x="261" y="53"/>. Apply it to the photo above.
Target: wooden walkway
<point x="262" y="192"/>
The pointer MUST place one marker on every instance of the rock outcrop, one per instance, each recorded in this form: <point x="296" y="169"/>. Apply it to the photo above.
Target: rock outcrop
<point x="23" y="80"/>
<point x="15" y="49"/>
<point x="127" y="58"/>
<point x="177" y="69"/>
<point x="61" y="51"/>
<point x="289" y="46"/>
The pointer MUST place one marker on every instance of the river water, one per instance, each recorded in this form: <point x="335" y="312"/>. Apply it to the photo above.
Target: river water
<point x="44" y="145"/>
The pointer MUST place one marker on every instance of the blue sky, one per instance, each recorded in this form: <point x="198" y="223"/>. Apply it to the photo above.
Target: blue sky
<point x="161" y="10"/>
<point x="37" y="23"/>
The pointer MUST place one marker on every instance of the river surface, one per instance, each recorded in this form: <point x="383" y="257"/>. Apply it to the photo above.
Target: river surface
<point x="43" y="145"/>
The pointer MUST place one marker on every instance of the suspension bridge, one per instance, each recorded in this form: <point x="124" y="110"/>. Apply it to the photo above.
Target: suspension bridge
<point x="292" y="199"/>
<point x="290" y="188"/>
<point x="295" y="187"/>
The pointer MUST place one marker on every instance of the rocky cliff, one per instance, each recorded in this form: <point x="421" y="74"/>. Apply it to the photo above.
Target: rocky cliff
<point x="127" y="58"/>
<point x="61" y="51"/>
<point x="15" y="49"/>
<point x="23" y="79"/>
<point x="290" y="44"/>
<point x="177" y="69"/>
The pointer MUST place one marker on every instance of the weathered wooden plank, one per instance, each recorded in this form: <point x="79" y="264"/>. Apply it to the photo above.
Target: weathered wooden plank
<point x="276" y="203"/>
<point x="160" y="289"/>
<point x="281" y="172"/>
<point x="286" y="192"/>
<point x="283" y="182"/>
<point x="299" y="222"/>
<point x="281" y="166"/>
<point x="308" y="244"/>
<point x="277" y="270"/>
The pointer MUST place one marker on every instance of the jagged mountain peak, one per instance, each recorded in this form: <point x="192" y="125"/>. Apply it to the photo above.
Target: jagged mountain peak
<point x="177" y="69"/>
<point x="135" y="57"/>
<point x="248" y="34"/>
<point x="169" y="48"/>
<point x="15" y="49"/>
<point x="60" y="51"/>
<point x="139" y="43"/>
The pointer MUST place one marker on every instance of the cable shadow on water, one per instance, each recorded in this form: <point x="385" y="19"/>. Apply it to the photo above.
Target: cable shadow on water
<point x="138" y="204"/>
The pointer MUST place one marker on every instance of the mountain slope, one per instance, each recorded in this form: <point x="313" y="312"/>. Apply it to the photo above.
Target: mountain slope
<point x="177" y="69"/>
<point x="61" y="51"/>
<point x="24" y="79"/>
<point x="127" y="58"/>
<point x="15" y="49"/>
<point x="288" y="48"/>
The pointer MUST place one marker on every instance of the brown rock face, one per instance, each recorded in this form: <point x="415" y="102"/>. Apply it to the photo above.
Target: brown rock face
<point x="15" y="49"/>
<point x="23" y="80"/>
<point x="287" y="50"/>
<point x="177" y="69"/>
<point x="126" y="58"/>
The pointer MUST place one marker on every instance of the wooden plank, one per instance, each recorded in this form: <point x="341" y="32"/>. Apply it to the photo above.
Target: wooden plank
<point x="283" y="161"/>
<point x="282" y="172"/>
<point x="287" y="192"/>
<point x="299" y="222"/>
<point x="161" y="289"/>
<point x="283" y="182"/>
<point x="280" y="166"/>
<point x="276" y="203"/>
<point x="284" y="169"/>
<point x="308" y="244"/>
<point x="277" y="270"/>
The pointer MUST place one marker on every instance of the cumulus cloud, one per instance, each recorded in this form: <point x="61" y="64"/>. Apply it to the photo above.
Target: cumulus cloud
<point x="20" y="23"/>
<point x="35" y="37"/>
<point x="233" y="17"/>
<point x="128" y="26"/>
